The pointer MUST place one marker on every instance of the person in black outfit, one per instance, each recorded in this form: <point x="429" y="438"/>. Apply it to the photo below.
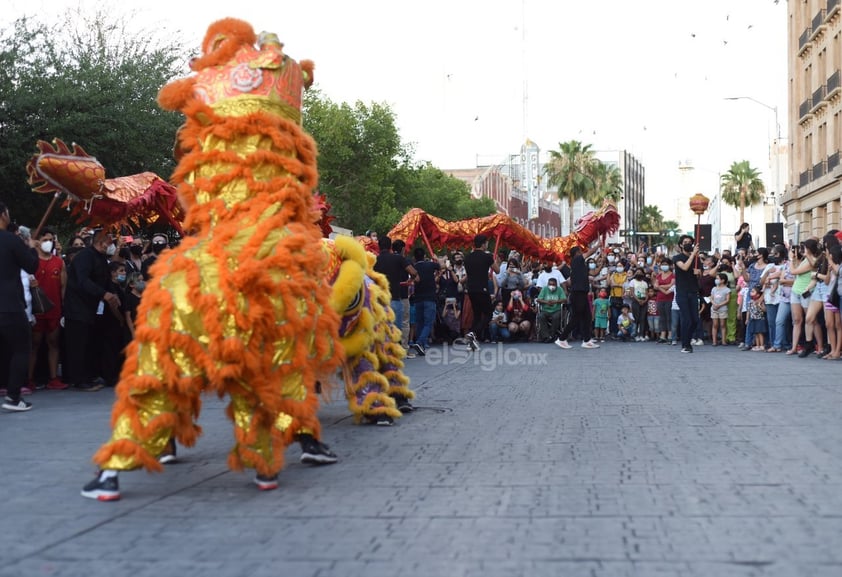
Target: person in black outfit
<point x="15" y="330"/>
<point x="397" y="269"/>
<point x="687" y="289"/>
<point x="743" y="238"/>
<point x="477" y="264"/>
<point x="86" y="297"/>
<point x="579" y="285"/>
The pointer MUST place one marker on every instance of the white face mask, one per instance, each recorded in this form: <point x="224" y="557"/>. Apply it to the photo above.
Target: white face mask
<point x="610" y="259"/>
<point x="552" y="288"/>
<point x="717" y="282"/>
<point x="665" y="267"/>
<point x="592" y="265"/>
<point x="618" y="269"/>
<point x="47" y="246"/>
<point x="111" y="250"/>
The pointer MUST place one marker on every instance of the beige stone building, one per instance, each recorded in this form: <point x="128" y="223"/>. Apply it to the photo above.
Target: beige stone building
<point x="811" y="202"/>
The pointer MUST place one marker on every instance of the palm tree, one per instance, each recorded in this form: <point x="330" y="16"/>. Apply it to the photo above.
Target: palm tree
<point x="671" y="227"/>
<point x="650" y="219"/>
<point x="609" y="183"/>
<point x="571" y="169"/>
<point x="741" y="186"/>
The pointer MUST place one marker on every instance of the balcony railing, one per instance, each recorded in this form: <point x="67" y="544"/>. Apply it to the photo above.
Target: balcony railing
<point x="804" y="178"/>
<point x="832" y="8"/>
<point x="818" y="97"/>
<point x="805" y="108"/>
<point x="818" y="170"/>
<point x="832" y="161"/>
<point x="832" y="85"/>
<point x="818" y="22"/>
<point x="804" y="40"/>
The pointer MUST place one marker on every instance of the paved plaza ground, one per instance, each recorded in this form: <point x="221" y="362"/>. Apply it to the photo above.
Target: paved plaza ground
<point x="522" y="460"/>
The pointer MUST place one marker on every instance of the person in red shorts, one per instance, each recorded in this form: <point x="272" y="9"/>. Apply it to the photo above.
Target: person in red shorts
<point x="51" y="276"/>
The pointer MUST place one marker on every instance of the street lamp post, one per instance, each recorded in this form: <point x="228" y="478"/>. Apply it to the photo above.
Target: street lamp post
<point x="775" y="152"/>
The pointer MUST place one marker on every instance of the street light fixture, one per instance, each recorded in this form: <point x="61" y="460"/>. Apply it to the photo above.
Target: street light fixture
<point x="763" y="104"/>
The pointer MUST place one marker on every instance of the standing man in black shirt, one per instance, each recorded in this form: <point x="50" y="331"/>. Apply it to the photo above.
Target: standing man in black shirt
<point x="396" y="268"/>
<point x="15" y="330"/>
<point x="687" y="289"/>
<point x="477" y="264"/>
<point x="579" y="285"/>
<point x="425" y="299"/>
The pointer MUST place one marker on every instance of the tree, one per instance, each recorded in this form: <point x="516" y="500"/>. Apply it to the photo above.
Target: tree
<point x="571" y="169"/>
<point x="609" y="183"/>
<point x="650" y="219"/>
<point x="91" y="81"/>
<point x="672" y="232"/>
<point x="368" y="175"/>
<point x="741" y="186"/>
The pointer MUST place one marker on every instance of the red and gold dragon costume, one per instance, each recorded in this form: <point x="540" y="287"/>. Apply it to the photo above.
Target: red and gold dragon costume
<point x="437" y="233"/>
<point x="138" y="200"/>
<point x="240" y="307"/>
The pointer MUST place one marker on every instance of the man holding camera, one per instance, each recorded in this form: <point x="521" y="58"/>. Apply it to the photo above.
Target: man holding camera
<point x="687" y="289"/>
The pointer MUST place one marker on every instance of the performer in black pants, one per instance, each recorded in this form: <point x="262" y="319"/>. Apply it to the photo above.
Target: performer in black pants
<point x="578" y="285"/>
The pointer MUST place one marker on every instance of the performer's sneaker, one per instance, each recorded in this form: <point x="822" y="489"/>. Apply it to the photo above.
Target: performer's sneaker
<point x="107" y="489"/>
<point x="403" y="404"/>
<point x="384" y="421"/>
<point x="563" y="343"/>
<point x="420" y="348"/>
<point x="19" y="406"/>
<point x="315" y="452"/>
<point x="169" y="454"/>
<point x="266" y="483"/>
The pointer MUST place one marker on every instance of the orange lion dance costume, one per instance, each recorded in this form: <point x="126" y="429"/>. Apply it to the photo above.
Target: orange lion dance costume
<point x="240" y="307"/>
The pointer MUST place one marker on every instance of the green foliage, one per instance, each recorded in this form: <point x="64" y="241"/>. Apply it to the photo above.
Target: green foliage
<point x="367" y="174"/>
<point x="742" y="186"/>
<point x="579" y="175"/>
<point x="90" y="81"/>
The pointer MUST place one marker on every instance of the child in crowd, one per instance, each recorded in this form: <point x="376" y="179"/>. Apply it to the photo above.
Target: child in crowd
<point x="756" y="326"/>
<point x="499" y="325"/>
<point x="601" y="307"/>
<point x="652" y="318"/>
<point x="625" y="323"/>
<point x="720" y="295"/>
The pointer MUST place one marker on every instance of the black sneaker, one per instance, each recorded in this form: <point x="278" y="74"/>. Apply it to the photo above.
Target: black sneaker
<point x="169" y="454"/>
<point x="315" y="452"/>
<point x="265" y="483"/>
<point x="102" y="489"/>
<point x="19" y="406"/>
<point x="687" y="349"/>
<point x="404" y="406"/>
<point x="384" y="421"/>
<point x="88" y="387"/>
<point x="420" y="348"/>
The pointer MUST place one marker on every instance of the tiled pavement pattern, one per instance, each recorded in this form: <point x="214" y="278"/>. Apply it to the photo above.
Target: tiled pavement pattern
<point x="630" y="460"/>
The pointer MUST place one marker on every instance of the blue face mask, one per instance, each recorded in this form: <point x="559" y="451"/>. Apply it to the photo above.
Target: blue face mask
<point x="648" y="260"/>
<point x="121" y="278"/>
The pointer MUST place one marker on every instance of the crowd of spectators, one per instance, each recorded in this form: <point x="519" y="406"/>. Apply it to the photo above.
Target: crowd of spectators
<point x="93" y="283"/>
<point x="780" y="299"/>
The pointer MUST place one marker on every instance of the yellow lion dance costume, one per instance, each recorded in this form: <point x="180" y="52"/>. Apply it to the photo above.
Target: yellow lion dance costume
<point x="373" y="362"/>
<point x="240" y="307"/>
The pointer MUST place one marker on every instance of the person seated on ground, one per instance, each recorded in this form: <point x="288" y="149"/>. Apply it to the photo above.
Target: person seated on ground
<point x="499" y="325"/>
<point x="518" y="309"/>
<point x="548" y="322"/>
<point x="451" y="320"/>
<point x="625" y="323"/>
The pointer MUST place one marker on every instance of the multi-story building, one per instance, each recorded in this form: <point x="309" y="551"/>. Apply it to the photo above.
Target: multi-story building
<point x="506" y="184"/>
<point x="811" y="202"/>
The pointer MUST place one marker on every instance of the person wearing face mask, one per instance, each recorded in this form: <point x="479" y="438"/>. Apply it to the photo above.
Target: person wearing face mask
<point x="134" y="258"/>
<point x="111" y="327"/>
<point x="687" y="289"/>
<point x="720" y="294"/>
<point x="664" y="283"/>
<point x="616" y="289"/>
<point x="726" y="267"/>
<point x="157" y="246"/>
<point x="548" y="323"/>
<point x="86" y="297"/>
<point x="51" y="276"/>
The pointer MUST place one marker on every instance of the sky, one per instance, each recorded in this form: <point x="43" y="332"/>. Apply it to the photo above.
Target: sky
<point x="470" y="80"/>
